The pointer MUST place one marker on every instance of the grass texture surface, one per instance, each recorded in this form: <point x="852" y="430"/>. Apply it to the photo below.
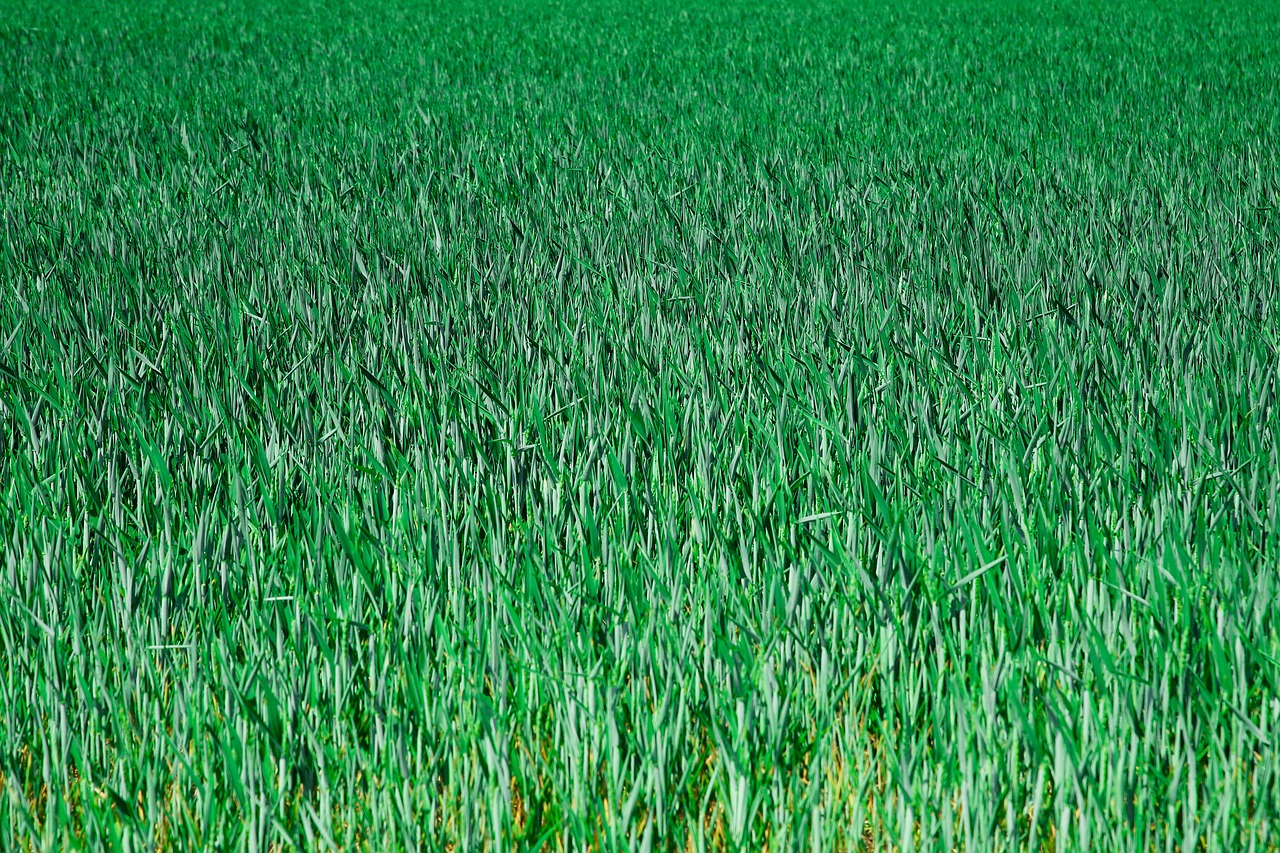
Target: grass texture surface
<point x="639" y="426"/>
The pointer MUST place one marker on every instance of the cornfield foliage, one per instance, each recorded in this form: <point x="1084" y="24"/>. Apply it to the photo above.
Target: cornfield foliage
<point x="639" y="425"/>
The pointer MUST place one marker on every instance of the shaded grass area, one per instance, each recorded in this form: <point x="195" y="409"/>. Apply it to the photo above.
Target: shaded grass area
<point x="639" y="426"/>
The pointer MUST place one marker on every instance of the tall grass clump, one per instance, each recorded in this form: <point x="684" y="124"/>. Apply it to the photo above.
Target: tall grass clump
<point x="639" y="426"/>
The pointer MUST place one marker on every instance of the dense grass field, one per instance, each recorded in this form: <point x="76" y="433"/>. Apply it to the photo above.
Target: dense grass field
<point x="639" y="426"/>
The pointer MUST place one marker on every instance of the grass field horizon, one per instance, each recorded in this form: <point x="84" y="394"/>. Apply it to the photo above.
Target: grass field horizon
<point x="639" y="426"/>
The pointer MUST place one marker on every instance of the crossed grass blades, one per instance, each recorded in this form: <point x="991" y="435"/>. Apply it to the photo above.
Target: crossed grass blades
<point x="616" y="427"/>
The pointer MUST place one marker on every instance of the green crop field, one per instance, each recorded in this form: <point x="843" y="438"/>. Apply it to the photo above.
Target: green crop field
<point x="633" y="425"/>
